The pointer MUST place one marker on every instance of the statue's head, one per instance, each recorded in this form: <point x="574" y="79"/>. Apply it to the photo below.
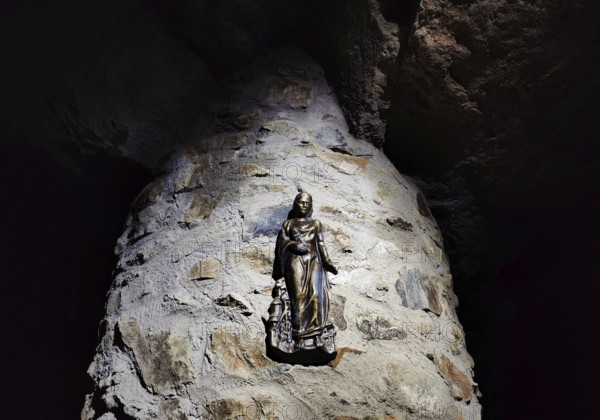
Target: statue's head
<point x="303" y="205"/>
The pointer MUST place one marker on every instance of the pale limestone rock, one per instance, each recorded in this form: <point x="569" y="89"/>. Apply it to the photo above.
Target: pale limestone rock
<point x="236" y="302"/>
<point x="191" y="178"/>
<point x="184" y="336"/>
<point x="418" y="292"/>
<point x="261" y="407"/>
<point x="281" y="127"/>
<point x="336" y="314"/>
<point x="208" y="268"/>
<point x="161" y="359"/>
<point x="284" y="91"/>
<point x="235" y="141"/>
<point x="380" y="329"/>
<point x="200" y="208"/>
<point x="460" y="384"/>
<point x="171" y="410"/>
<point x="241" y="351"/>
<point x="251" y="169"/>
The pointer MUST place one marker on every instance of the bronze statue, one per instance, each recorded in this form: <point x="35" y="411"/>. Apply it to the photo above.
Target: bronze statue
<point x="298" y="330"/>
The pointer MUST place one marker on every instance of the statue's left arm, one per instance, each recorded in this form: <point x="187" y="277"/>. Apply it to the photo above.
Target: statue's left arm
<point x="323" y="250"/>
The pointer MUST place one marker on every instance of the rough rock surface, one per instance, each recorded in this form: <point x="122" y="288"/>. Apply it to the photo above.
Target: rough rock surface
<point x="183" y="336"/>
<point x="492" y="105"/>
<point x="359" y="46"/>
<point x="482" y="82"/>
<point x="464" y="84"/>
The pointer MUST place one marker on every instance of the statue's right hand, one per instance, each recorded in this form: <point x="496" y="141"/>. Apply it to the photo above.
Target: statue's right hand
<point x="301" y="247"/>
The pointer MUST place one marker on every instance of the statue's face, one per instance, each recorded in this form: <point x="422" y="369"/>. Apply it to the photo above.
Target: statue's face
<point x="304" y="205"/>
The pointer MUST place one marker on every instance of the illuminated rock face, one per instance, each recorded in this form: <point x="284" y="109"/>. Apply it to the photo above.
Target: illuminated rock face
<point x="184" y="336"/>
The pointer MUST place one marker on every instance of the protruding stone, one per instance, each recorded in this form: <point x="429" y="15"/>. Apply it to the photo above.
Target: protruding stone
<point x="258" y="258"/>
<point x="330" y="137"/>
<point x="244" y="407"/>
<point x="281" y="127"/>
<point x="380" y="329"/>
<point x="422" y="206"/>
<point x="191" y="178"/>
<point x="148" y="196"/>
<point x="201" y="207"/>
<point x="265" y="222"/>
<point x="284" y="91"/>
<point x="338" y="304"/>
<point x="162" y="359"/>
<point x="346" y="164"/>
<point x="208" y="268"/>
<point x="234" y="141"/>
<point x="340" y="242"/>
<point x="88" y="412"/>
<point x="455" y="338"/>
<point x="460" y="385"/>
<point x="171" y="410"/>
<point x="418" y="292"/>
<point x="236" y="302"/>
<point x="241" y="350"/>
<point x="400" y="223"/>
<point x="330" y="209"/>
<point x="252" y="169"/>
<point x="142" y="256"/>
<point x="183" y="301"/>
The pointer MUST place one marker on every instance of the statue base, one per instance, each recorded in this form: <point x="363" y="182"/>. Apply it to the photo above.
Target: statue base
<point x="308" y="351"/>
<point x="283" y="346"/>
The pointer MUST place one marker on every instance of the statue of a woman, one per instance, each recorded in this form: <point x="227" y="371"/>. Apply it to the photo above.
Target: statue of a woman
<point x="298" y="314"/>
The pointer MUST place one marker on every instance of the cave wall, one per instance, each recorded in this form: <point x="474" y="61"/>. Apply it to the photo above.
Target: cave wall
<point x="489" y="105"/>
<point x="483" y="82"/>
<point x="184" y="331"/>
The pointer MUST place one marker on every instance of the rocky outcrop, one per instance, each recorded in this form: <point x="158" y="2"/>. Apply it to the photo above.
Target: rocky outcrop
<point x="480" y="82"/>
<point x="360" y="49"/>
<point x="184" y="332"/>
<point x="492" y="106"/>
<point x="465" y="86"/>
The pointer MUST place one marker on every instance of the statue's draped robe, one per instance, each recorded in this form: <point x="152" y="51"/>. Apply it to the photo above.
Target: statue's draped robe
<point x="305" y="277"/>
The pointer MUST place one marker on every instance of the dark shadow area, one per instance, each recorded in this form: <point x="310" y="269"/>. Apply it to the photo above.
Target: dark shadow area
<point x="526" y="280"/>
<point x="520" y="231"/>
<point x="546" y="302"/>
<point x="522" y="240"/>
<point x="59" y="232"/>
<point x="401" y="12"/>
<point x="229" y="34"/>
<point x="416" y="149"/>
